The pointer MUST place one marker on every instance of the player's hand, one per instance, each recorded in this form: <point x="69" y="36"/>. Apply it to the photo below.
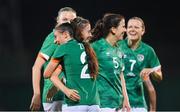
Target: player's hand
<point x="51" y="92"/>
<point x="145" y="73"/>
<point x="72" y="94"/>
<point x="36" y="102"/>
<point x="157" y="75"/>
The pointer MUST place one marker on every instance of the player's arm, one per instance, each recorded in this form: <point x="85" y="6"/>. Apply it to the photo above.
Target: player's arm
<point x="124" y="91"/>
<point x="151" y="92"/>
<point x="155" y="72"/>
<point x="36" y="78"/>
<point x="51" y="67"/>
<point x="52" y="91"/>
<point x="70" y="93"/>
<point x="154" y="63"/>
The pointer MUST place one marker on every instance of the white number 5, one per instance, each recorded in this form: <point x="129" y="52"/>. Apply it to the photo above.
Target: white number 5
<point x="116" y="64"/>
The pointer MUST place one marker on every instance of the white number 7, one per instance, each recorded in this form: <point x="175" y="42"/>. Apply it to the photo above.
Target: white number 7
<point x="132" y="64"/>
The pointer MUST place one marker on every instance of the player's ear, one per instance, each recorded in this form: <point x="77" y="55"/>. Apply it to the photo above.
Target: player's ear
<point x="66" y="34"/>
<point x="143" y="31"/>
<point x="113" y="30"/>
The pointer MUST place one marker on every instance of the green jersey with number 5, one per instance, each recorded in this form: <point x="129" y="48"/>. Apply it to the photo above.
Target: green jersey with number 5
<point x="108" y="81"/>
<point x="135" y="61"/>
<point x="76" y="71"/>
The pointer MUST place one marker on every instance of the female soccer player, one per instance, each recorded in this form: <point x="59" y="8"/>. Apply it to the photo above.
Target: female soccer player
<point x="64" y="15"/>
<point x="79" y="63"/>
<point x="140" y="62"/>
<point x="112" y="91"/>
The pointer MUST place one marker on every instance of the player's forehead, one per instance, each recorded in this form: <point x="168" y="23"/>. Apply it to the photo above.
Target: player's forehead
<point x="134" y="22"/>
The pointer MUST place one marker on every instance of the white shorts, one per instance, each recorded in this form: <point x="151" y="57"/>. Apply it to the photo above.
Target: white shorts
<point x="54" y="106"/>
<point x="81" y="108"/>
<point x="108" y="109"/>
<point x="132" y="110"/>
<point x="138" y="109"/>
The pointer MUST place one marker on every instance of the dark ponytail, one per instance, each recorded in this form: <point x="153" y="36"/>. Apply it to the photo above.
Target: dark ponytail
<point x="103" y="26"/>
<point x="92" y="60"/>
<point x="79" y="24"/>
<point x="97" y="31"/>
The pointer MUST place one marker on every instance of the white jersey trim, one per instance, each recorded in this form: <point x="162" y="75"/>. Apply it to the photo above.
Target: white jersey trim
<point x="156" y="68"/>
<point x="44" y="55"/>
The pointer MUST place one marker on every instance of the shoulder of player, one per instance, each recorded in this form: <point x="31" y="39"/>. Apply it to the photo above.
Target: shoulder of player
<point x="50" y="36"/>
<point x="68" y="43"/>
<point x="99" y="42"/>
<point x="147" y="46"/>
<point x="49" y="39"/>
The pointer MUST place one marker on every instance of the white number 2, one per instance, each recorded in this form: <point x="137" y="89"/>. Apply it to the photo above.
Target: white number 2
<point x="84" y="69"/>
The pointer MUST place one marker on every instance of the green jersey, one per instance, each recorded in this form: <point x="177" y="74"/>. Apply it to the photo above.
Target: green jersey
<point x="108" y="81"/>
<point x="135" y="61"/>
<point x="77" y="73"/>
<point x="47" y="51"/>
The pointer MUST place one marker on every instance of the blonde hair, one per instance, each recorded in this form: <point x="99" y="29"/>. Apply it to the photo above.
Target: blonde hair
<point x="65" y="9"/>
<point x="139" y="19"/>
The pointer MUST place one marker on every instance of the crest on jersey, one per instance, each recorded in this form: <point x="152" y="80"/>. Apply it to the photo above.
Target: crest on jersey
<point x="140" y="57"/>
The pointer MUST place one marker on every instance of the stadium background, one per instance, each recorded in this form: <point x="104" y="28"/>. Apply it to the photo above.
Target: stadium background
<point x="24" y="24"/>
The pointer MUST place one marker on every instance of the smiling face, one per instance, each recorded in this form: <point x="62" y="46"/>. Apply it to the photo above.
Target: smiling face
<point x="120" y="30"/>
<point x="86" y="31"/>
<point x="135" y="29"/>
<point x="61" y="36"/>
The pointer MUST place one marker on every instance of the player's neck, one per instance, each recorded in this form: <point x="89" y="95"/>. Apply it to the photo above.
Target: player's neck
<point x="111" y="40"/>
<point x="68" y="39"/>
<point x="134" y="44"/>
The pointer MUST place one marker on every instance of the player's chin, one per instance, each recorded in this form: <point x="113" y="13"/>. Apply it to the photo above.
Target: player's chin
<point x="120" y="37"/>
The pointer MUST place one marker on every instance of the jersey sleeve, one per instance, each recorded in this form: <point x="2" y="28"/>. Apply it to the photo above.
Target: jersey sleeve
<point x="96" y="47"/>
<point x="60" y="51"/>
<point x="153" y="59"/>
<point x="48" y="46"/>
